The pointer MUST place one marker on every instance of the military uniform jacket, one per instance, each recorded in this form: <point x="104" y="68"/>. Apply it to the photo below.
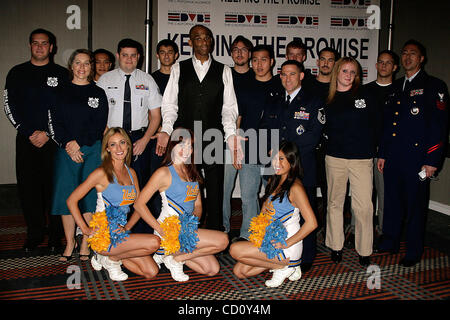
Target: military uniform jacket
<point x="300" y="122"/>
<point x="415" y="123"/>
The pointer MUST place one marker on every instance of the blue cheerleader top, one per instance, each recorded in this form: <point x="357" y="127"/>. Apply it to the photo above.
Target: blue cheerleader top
<point x="283" y="210"/>
<point x="181" y="195"/>
<point x="118" y="195"/>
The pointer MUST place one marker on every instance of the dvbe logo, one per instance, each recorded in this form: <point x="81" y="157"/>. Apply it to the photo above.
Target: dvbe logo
<point x="301" y="21"/>
<point x="351" y="3"/>
<point x="348" y="22"/>
<point x="189" y="17"/>
<point x="242" y="19"/>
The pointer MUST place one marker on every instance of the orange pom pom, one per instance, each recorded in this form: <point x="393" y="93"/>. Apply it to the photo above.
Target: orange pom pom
<point x="171" y="227"/>
<point x="259" y="224"/>
<point x="100" y="241"/>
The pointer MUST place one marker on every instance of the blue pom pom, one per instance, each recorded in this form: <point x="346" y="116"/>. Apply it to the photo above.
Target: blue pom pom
<point x="117" y="217"/>
<point x="274" y="232"/>
<point x="188" y="236"/>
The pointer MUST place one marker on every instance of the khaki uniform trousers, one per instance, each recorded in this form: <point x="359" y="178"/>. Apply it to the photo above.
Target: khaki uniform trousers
<point x="360" y="174"/>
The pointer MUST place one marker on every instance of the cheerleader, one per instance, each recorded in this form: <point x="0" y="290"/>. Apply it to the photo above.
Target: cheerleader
<point x="177" y="180"/>
<point x="117" y="189"/>
<point x="284" y="200"/>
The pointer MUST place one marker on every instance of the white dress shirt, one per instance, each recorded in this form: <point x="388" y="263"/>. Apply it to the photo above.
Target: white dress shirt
<point x="410" y="78"/>
<point x="293" y="94"/>
<point x="144" y="97"/>
<point x="169" y="105"/>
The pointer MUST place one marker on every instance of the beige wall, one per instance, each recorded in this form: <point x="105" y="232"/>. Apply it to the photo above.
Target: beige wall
<point x="112" y="21"/>
<point x="17" y="19"/>
<point x="117" y="19"/>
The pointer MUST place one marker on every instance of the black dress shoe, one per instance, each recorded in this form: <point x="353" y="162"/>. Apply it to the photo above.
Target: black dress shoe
<point x="408" y="263"/>
<point x="305" y="266"/>
<point x="336" y="256"/>
<point x="364" y="261"/>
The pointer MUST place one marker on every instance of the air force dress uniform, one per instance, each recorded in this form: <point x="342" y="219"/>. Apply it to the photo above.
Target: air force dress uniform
<point x="144" y="96"/>
<point x="415" y="123"/>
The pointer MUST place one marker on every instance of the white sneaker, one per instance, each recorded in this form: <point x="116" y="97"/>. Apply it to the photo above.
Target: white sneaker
<point x="114" y="270"/>
<point x="159" y="259"/>
<point x="176" y="269"/>
<point x="296" y="275"/>
<point x="96" y="262"/>
<point x="279" y="275"/>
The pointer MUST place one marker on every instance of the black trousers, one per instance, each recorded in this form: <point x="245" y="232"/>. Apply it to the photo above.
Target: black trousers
<point x="212" y="216"/>
<point x="154" y="204"/>
<point x="405" y="200"/>
<point x="309" y="243"/>
<point x="34" y="172"/>
<point x="141" y="163"/>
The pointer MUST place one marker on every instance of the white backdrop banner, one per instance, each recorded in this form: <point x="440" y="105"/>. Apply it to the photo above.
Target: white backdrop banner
<point x="349" y="26"/>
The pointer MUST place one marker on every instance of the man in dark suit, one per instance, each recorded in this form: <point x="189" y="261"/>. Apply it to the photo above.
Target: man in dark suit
<point x="299" y="117"/>
<point x="414" y="136"/>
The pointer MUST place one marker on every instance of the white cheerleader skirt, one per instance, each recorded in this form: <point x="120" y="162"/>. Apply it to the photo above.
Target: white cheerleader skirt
<point x="166" y="211"/>
<point x="294" y="253"/>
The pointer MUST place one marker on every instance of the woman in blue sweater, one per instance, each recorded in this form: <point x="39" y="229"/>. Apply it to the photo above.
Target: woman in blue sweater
<point x="350" y="128"/>
<point x="77" y="121"/>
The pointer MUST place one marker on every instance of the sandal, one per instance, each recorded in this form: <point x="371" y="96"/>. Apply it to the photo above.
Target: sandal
<point x="67" y="258"/>
<point x="64" y="258"/>
<point x="84" y="257"/>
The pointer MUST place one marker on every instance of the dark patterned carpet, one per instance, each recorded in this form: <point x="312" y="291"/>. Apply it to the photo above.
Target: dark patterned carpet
<point x="40" y="276"/>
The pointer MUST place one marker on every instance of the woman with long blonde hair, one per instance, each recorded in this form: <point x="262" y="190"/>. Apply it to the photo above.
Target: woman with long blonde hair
<point x="117" y="188"/>
<point x="350" y="128"/>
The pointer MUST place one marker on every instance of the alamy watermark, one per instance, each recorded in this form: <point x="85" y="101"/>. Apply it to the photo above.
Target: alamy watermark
<point x="74" y="280"/>
<point x="209" y="146"/>
<point x="374" y="279"/>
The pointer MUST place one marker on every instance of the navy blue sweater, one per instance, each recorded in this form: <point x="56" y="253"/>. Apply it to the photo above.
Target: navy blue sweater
<point x="28" y="90"/>
<point x="351" y="125"/>
<point x="79" y="113"/>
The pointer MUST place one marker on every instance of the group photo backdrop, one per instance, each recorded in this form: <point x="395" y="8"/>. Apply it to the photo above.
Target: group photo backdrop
<point x="340" y="24"/>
